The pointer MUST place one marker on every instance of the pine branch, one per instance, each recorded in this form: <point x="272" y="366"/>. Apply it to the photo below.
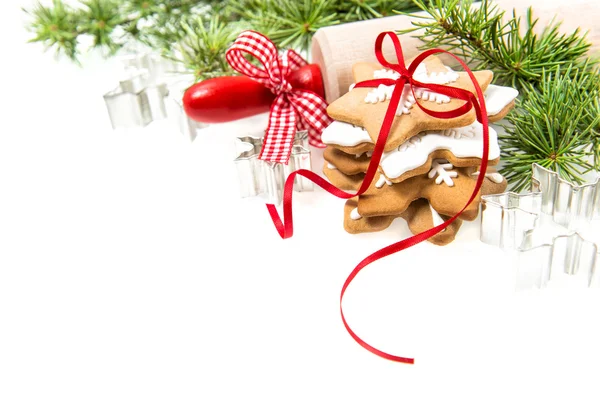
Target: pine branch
<point x="290" y="23"/>
<point x="358" y="10"/>
<point x="110" y="23"/>
<point x="202" y="50"/>
<point x="55" y="27"/>
<point x="487" y="38"/>
<point x="552" y="126"/>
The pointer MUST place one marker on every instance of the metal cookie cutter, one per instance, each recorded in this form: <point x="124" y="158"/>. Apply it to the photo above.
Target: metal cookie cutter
<point x="136" y="102"/>
<point x="187" y="126"/>
<point x="267" y="179"/>
<point x="549" y="231"/>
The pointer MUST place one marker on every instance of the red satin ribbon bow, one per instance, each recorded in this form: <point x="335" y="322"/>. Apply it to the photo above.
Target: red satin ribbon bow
<point x="293" y="109"/>
<point x="286" y="229"/>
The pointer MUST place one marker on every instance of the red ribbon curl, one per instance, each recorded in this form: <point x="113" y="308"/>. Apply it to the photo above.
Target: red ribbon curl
<point x="286" y="228"/>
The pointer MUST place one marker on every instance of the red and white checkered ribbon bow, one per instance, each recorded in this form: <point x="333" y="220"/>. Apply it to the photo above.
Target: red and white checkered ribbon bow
<point x="293" y="109"/>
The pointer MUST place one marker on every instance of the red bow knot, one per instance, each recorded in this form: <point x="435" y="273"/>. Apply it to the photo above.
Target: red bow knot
<point x="293" y="109"/>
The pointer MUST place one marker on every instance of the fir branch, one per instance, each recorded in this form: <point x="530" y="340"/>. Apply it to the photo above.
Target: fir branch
<point x="551" y="126"/>
<point x="486" y="37"/>
<point x="358" y="10"/>
<point x="102" y="19"/>
<point x="55" y="27"/>
<point x="202" y="50"/>
<point x="110" y="23"/>
<point x="291" y="23"/>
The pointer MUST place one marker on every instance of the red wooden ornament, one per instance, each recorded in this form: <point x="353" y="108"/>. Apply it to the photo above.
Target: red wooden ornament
<point x="228" y="98"/>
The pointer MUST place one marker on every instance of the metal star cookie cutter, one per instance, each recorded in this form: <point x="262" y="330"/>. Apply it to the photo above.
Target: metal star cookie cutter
<point x="136" y="102"/>
<point x="267" y="179"/>
<point x="187" y="126"/>
<point x="548" y="230"/>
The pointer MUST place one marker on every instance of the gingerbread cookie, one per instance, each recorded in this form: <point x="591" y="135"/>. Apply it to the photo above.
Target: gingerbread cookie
<point x="429" y="168"/>
<point x="420" y="217"/>
<point x="348" y="164"/>
<point x="499" y="100"/>
<point x="461" y="146"/>
<point x="367" y="107"/>
<point x="341" y="180"/>
<point x="445" y="187"/>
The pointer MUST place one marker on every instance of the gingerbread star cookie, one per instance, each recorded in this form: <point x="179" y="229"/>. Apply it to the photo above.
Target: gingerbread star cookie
<point x="366" y="107"/>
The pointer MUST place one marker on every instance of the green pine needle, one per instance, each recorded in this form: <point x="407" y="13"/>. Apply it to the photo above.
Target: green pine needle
<point x="358" y="10"/>
<point x="551" y="126"/>
<point x="489" y="39"/>
<point x="292" y="23"/>
<point x="203" y="47"/>
<point x="55" y="27"/>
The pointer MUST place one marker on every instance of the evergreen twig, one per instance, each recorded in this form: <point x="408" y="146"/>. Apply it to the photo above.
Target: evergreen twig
<point x="487" y="38"/>
<point x="551" y="126"/>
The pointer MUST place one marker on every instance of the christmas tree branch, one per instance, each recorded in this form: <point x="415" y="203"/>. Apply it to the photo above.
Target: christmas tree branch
<point x="488" y="38"/>
<point x="194" y="32"/>
<point x="552" y="126"/>
<point x="109" y="23"/>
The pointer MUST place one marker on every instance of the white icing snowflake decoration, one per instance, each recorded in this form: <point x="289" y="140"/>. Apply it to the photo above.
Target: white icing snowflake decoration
<point x="441" y="170"/>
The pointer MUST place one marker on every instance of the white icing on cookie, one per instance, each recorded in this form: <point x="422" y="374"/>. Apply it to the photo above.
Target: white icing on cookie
<point x="498" y="97"/>
<point x="493" y="176"/>
<point x="385" y="74"/>
<point x="382" y="180"/>
<point x="411" y="142"/>
<point x="407" y="100"/>
<point x="441" y="169"/>
<point x="414" y="154"/>
<point x="459" y="133"/>
<point x="421" y="74"/>
<point x="354" y="215"/>
<point x="330" y="166"/>
<point x="345" y="134"/>
<point x="441" y="78"/>
<point x="437" y="219"/>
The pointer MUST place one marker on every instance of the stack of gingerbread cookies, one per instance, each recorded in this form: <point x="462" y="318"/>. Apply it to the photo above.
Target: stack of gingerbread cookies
<point x="430" y="166"/>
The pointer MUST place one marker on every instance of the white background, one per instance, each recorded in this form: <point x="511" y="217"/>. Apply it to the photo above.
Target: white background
<point x="129" y="268"/>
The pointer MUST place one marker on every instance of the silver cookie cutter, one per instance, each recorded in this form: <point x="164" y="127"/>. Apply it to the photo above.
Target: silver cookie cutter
<point x="543" y="229"/>
<point x="267" y="179"/>
<point x="136" y="101"/>
<point x="147" y="92"/>
<point x="186" y="125"/>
